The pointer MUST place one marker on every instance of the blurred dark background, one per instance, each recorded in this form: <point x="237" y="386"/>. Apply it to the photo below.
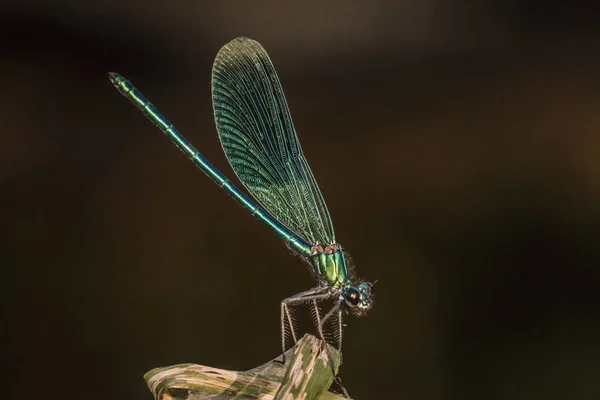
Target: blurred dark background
<point x="457" y="145"/>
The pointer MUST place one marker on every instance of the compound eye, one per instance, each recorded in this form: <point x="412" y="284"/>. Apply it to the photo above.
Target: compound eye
<point x="367" y="287"/>
<point x="352" y="297"/>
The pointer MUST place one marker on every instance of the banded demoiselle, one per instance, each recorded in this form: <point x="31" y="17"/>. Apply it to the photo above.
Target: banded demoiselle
<point x="256" y="131"/>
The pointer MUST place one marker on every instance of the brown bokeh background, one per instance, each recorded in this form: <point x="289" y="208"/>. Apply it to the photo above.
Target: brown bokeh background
<point x="457" y="145"/>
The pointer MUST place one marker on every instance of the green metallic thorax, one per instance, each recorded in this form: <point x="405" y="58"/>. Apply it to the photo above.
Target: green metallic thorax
<point x="330" y="265"/>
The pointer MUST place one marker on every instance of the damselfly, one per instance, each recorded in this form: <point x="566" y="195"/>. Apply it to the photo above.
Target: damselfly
<point x="258" y="137"/>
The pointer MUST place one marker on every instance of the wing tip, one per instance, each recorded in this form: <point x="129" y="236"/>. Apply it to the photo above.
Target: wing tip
<point x="240" y="43"/>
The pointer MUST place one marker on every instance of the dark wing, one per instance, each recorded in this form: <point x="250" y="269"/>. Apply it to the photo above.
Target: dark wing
<point x="260" y="142"/>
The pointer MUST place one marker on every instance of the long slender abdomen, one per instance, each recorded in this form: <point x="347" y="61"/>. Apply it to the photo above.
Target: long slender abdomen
<point x="143" y="104"/>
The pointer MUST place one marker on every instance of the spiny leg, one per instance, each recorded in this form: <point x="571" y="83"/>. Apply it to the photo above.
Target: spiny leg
<point x="321" y="323"/>
<point x="340" y="330"/>
<point x="338" y="380"/>
<point x="285" y="313"/>
<point x="318" y="320"/>
<point x="316" y="294"/>
<point x="336" y="308"/>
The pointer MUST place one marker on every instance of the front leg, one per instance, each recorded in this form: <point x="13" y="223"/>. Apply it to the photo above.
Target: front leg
<point x="337" y="308"/>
